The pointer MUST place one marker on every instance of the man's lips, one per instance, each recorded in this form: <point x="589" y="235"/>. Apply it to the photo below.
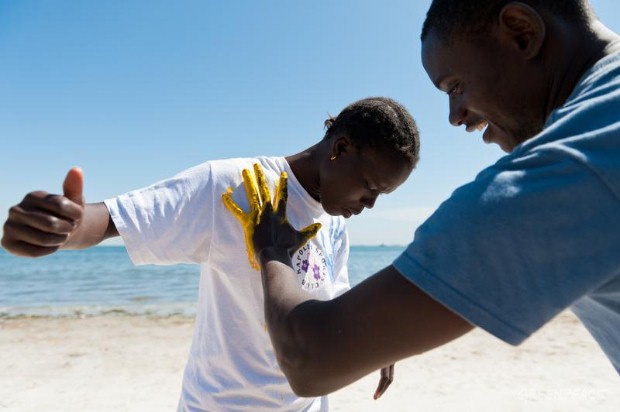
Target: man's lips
<point x="480" y="126"/>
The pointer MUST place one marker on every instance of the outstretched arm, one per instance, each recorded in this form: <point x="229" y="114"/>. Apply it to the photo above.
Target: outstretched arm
<point x="43" y="223"/>
<point x="261" y="204"/>
<point x="324" y="345"/>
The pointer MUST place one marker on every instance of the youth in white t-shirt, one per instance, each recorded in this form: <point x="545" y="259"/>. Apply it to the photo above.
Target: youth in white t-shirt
<point x="369" y="149"/>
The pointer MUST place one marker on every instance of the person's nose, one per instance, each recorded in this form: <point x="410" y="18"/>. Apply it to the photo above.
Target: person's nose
<point x="369" y="201"/>
<point x="457" y="111"/>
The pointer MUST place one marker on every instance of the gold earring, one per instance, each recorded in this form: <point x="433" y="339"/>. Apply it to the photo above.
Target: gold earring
<point x="333" y="157"/>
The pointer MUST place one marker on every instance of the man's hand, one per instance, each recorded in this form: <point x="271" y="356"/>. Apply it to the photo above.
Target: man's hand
<point x="264" y="226"/>
<point x="42" y="223"/>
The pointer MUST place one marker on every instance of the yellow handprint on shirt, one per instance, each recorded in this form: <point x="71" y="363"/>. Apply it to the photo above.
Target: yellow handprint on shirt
<point x="259" y="199"/>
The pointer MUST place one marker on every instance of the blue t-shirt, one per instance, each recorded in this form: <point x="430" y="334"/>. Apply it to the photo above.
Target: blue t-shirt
<point x="539" y="231"/>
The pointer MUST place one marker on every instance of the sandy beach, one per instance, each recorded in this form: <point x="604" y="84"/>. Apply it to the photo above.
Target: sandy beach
<point x="135" y="363"/>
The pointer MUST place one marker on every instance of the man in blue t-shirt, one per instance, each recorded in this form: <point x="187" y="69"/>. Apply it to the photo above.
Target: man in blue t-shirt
<point x="532" y="235"/>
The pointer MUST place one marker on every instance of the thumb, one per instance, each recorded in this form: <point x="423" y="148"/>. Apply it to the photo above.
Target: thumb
<point x="309" y="232"/>
<point x="74" y="185"/>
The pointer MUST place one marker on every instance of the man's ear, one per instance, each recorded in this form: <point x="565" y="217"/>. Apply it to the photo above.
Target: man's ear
<point x="523" y="27"/>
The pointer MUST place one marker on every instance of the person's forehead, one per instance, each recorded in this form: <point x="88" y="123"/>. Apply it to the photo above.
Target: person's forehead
<point x="438" y="58"/>
<point x="443" y="58"/>
<point x="384" y="168"/>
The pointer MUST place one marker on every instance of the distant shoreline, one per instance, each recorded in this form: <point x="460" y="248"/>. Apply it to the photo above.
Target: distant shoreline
<point x="103" y="280"/>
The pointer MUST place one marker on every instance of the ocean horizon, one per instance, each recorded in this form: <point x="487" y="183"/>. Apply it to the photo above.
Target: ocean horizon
<point x="103" y="281"/>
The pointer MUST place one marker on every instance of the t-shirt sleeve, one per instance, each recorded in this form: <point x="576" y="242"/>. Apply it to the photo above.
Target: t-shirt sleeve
<point x="169" y="222"/>
<point x="518" y="245"/>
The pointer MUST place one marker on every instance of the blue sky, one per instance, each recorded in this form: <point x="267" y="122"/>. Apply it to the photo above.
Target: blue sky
<point x="136" y="91"/>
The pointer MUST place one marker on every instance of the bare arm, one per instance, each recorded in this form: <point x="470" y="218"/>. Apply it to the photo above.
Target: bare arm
<point x="43" y="223"/>
<point x="325" y="345"/>
<point x="260" y="200"/>
<point x="96" y="226"/>
<point x="322" y="346"/>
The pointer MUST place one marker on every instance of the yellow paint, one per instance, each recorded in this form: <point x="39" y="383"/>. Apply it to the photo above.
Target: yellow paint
<point x="259" y="196"/>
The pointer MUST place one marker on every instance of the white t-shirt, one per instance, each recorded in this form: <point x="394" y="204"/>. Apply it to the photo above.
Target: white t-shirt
<point x="232" y="366"/>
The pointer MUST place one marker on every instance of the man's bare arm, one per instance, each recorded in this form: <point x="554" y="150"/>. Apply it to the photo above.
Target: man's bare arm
<point x="325" y="345"/>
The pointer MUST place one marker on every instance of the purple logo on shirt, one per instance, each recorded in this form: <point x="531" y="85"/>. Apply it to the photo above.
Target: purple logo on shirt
<point x="310" y="266"/>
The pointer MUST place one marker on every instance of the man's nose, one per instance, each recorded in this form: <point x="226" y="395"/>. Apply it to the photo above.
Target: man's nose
<point x="457" y="112"/>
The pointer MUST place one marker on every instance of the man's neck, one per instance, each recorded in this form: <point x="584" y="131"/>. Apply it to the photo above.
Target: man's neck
<point x="577" y="52"/>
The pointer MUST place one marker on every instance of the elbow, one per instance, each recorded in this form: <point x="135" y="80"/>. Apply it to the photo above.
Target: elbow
<point x="303" y="375"/>
<point x="301" y="389"/>
<point x="302" y="362"/>
<point x="298" y="340"/>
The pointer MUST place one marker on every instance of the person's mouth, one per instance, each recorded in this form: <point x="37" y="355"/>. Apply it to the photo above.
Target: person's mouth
<point x="478" y="126"/>
<point x="484" y="127"/>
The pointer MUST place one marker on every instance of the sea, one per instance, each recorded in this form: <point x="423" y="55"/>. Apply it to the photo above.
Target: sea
<point x="103" y="281"/>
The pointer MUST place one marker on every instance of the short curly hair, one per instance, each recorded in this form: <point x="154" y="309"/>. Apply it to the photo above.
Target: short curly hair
<point x="472" y="18"/>
<point x="378" y="122"/>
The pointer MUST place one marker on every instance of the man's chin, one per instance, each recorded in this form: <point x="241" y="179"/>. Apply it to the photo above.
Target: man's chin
<point x="502" y="141"/>
<point x="506" y="142"/>
<point x="506" y="147"/>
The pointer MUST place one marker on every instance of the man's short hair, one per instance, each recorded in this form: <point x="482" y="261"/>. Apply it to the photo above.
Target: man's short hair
<point x="453" y="19"/>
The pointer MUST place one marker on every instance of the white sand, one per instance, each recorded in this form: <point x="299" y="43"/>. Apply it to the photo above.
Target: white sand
<point x="135" y="364"/>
